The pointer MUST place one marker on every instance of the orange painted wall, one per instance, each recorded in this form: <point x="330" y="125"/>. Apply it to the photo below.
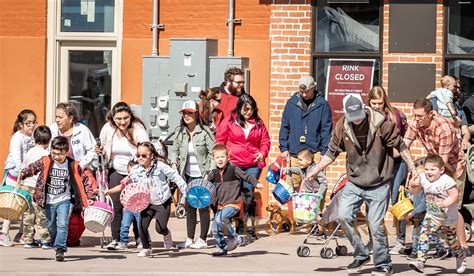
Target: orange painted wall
<point x="23" y="63"/>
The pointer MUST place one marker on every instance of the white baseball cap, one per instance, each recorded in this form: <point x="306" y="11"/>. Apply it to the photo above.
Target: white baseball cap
<point x="189" y="106"/>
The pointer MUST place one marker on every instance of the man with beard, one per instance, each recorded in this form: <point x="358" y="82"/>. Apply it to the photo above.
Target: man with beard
<point x="231" y="89"/>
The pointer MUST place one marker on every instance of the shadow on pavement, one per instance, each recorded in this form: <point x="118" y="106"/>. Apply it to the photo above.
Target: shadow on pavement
<point x="74" y="258"/>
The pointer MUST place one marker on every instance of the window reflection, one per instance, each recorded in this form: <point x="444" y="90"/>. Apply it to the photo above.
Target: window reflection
<point x="348" y="27"/>
<point x="461" y="28"/>
<point x="90" y="78"/>
<point x="87" y="16"/>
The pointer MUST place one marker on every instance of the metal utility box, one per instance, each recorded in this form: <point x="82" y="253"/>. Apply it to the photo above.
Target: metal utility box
<point x="218" y="65"/>
<point x="168" y="82"/>
<point x="156" y="86"/>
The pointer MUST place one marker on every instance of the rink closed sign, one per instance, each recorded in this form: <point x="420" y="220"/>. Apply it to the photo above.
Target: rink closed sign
<point x="347" y="76"/>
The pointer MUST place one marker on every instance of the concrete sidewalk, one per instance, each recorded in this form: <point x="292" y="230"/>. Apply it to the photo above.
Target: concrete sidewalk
<point x="275" y="254"/>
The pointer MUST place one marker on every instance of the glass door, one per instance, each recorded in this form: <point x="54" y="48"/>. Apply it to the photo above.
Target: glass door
<point x="87" y="79"/>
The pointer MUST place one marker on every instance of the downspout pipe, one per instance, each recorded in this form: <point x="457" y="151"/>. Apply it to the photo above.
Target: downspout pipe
<point x="154" y="27"/>
<point x="230" y="29"/>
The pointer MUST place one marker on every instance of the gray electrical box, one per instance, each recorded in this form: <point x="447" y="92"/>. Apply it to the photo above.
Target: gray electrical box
<point x="218" y="65"/>
<point x="170" y="81"/>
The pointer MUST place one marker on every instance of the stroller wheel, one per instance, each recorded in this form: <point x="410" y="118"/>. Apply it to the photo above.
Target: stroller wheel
<point x="303" y="251"/>
<point x="326" y="253"/>
<point x="468" y="229"/>
<point x="180" y="211"/>
<point x="341" y="250"/>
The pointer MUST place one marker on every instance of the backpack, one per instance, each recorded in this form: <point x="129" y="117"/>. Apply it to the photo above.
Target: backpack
<point x="470" y="164"/>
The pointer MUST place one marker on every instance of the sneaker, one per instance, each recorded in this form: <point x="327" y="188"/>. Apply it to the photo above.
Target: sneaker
<point x="186" y="244"/>
<point x="168" y="240"/>
<point x="396" y="249"/>
<point x="231" y="244"/>
<point x="219" y="253"/>
<point x="145" y="252"/>
<point x="406" y="251"/>
<point x="383" y="270"/>
<point x="200" y="244"/>
<point x="370" y="246"/>
<point x="6" y="241"/>
<point x="121" y="246"/>
<point x="441" y="254"/>
<point x="112" y="245"/>
<point x="140" y="246"/>
<point x="461" y="262"/>
<point x="357" y="264"/>
<point x="417" y="266"/>
<point x="18" y="238"/>
<point x="31" y="245"/>
<point x="413" y="256"/>
<point x="59" y="255"/>
<point x="46" y="245"/>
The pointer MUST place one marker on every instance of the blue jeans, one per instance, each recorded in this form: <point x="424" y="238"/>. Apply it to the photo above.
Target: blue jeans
<point x="248" y="197"/>
<point x="127" y="219"/>
<point x="400" y="171"/>
<point x="376" y="199"/>
<point x="223" y="221"/>
<point x="57" y="216"/>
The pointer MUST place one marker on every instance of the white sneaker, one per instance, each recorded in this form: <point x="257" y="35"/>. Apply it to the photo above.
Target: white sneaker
<point x="6" y="241"/>
<point x="121" y="246"/>
<point x="461" y="263"/>
<point x="168" y="240"/>
<point x="396" y="248"/>
<point x="113" y="245"/>
<point x="145" y="252"/>
<point x="186" y="244"/>
<point x="200" y="244"/>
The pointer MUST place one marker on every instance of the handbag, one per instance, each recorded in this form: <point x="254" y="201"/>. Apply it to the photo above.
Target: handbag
<point x="403" y="205"/>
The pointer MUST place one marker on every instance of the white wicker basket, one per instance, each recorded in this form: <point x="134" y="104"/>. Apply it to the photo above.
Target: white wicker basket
<point x="98" y="216"/>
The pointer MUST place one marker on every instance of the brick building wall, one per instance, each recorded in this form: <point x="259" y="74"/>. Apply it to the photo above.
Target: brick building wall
<point x="290" y="34"/>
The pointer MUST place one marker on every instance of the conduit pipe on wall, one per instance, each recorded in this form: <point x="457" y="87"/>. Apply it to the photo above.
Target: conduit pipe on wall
<point x="155" y="27"/>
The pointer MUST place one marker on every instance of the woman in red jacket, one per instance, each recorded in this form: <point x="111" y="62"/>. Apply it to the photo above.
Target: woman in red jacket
<point x="248" y="142"/>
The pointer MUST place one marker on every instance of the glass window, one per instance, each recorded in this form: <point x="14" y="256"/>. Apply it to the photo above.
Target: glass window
<point x="87" y="16"/>
<point x="322" y="70"/>
<point x="352" y="26"/>
<point x="461" y="27"/>
<point x="90" y="78"/>
<point x="464" y="70"/>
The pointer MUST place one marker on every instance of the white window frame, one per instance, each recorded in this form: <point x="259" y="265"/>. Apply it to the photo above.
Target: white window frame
<point x="57" y="42"/>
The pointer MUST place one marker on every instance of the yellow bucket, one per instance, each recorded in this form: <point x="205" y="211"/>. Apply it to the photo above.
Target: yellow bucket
<point x="403" y="205"/>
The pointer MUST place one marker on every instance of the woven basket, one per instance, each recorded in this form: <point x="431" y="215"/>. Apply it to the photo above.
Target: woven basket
<point x="13" y="202"/>
<point x="135" y="197"/>
<point x="98" y="216"/>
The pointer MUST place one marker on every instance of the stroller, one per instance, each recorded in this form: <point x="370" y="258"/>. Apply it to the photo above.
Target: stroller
<point x="101" y="177"/>
<point x="328" y="215"/>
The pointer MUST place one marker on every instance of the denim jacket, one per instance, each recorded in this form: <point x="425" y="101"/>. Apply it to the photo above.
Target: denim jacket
<point x="156" y="179"/>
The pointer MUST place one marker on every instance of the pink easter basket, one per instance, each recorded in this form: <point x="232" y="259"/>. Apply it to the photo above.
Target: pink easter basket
<point x="98" y="215"/>
<point x="135" y="197"/>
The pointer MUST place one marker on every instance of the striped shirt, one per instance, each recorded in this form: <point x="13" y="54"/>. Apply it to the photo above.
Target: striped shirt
<point x="440" y="138"/>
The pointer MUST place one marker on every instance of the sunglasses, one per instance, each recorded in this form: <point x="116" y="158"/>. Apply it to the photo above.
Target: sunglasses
<point x="218" y="100"/>
<point x="144" y="156"/>
<point x="239" y="82"/>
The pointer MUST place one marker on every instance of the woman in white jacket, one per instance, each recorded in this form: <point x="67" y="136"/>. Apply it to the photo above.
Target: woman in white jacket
<point x="81" y="140"/>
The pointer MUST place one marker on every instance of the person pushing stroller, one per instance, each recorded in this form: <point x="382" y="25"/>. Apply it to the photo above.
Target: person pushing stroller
<point x="368" y="140"/>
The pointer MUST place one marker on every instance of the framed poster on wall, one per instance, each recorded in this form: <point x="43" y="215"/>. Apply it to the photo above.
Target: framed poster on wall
<point x="346" y="76"/>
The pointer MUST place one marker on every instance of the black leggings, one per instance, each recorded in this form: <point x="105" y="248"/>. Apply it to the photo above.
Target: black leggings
<point x="161" y="213"/>
<point x="114" y="180"/>
<point x="191" y="220"/>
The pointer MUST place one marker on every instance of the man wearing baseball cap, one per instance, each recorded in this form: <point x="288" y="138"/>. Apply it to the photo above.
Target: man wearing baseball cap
<point x="306" y="124"/>
<point x="368" y="140"/>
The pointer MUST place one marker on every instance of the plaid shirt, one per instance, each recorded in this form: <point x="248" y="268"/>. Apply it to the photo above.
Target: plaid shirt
<point x="440" y="138"/>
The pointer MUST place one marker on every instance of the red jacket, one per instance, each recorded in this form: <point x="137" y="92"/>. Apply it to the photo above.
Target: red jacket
<point x="243" y="151"/>
<point x="81" y="189"/>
